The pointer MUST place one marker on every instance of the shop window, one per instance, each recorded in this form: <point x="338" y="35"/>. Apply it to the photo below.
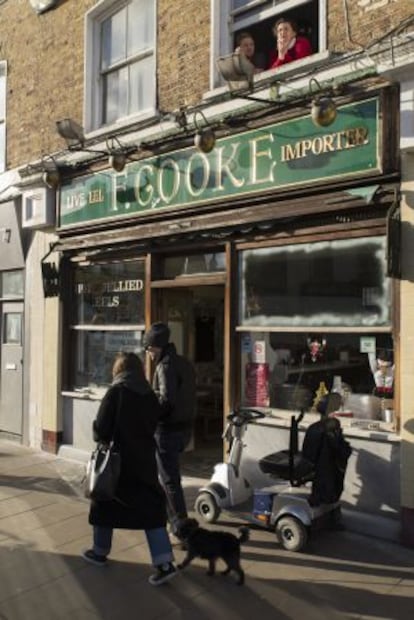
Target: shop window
<point x="316" y="285"/>
<point x="11" y="284"/>
<point x="2" y="116"/>
<point x="192" y="264"/>
<point x="230" y="17"/>
<point x="120" y="62"/>
<point x="109" y="317"/>
<point x="315" y="319"/>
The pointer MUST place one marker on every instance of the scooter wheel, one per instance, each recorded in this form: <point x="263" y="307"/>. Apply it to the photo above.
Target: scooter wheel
<point x="291" y="533"/>
<point x="206" y="507"/>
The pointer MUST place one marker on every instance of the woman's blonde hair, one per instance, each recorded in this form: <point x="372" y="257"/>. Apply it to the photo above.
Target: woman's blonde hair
<point x="127" y="362"/>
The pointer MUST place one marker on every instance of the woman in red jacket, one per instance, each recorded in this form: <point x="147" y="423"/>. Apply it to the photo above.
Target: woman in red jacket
<point x="289" y="45"/>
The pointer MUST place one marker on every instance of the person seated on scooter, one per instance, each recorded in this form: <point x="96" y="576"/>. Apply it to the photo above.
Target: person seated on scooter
<point x="325" y="446"/>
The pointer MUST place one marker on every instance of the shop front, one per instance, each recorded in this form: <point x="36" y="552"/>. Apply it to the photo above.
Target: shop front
<point x="272" y="261"/>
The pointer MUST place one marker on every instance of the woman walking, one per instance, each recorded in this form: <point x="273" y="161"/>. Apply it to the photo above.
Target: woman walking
<point x="129" y="413"/>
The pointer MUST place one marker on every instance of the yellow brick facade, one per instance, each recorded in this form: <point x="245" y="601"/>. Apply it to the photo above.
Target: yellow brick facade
<point x="45" y="82"/>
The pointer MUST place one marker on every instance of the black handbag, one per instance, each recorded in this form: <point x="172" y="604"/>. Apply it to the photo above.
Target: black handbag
<point x="103" y="468"/>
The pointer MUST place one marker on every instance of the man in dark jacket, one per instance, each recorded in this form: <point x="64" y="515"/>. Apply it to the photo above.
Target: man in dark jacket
<point x="174" y="385"/>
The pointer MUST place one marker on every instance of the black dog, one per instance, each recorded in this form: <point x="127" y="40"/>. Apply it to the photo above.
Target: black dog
<point x="211" y="545"/>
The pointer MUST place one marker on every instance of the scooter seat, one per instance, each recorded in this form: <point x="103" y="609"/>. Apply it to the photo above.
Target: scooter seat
<point x="285" y="466"/>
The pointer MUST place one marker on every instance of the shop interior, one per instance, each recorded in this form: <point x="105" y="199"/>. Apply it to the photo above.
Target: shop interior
<point x="195" y="317"/>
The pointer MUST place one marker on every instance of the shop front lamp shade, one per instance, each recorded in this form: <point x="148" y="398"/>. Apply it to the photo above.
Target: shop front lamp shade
<point x="117" y="161"/>
<point x="71" y="132"/>
<point x="51" y="178"/>
<point x="237" y="70"/>
<point x="117" y="154"/>
<point x="205" y="138"/>
<point x="51" y="174"/>
<point x="323" y="111"/>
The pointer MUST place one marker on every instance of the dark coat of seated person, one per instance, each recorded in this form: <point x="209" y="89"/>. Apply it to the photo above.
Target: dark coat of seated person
<point x="289" y="45"/>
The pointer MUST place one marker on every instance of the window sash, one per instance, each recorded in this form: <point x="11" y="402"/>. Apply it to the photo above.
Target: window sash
<point x="120" y="36"/>
<point x="254" y="11"/>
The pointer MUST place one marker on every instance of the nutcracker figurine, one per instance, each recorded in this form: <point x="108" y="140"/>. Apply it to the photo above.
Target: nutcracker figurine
<point x="382" y="369"/>
<point x="317" y="348"/>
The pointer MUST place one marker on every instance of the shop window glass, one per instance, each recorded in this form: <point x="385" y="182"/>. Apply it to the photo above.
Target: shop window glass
<point x="175" y="266"/>
<point x="320" y="324"/>
<point x="323" y="284"/>
<point x="109" y="311"/>
<point x="121" y="66"/>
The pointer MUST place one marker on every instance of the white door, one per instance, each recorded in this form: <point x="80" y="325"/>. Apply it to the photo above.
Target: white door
<point x="11" y="386"/>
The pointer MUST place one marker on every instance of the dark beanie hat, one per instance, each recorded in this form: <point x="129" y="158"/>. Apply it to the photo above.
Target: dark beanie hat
<point x="158" y="335"/>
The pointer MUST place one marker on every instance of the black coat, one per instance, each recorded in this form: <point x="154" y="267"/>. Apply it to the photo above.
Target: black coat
<point x="140" y="502"/>
<point x="175" y="386"/>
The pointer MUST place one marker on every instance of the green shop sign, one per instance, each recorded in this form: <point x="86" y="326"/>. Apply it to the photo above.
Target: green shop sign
<point x="289" y="153"/>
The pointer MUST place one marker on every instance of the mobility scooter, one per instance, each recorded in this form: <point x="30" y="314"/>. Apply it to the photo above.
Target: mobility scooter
<point x="305" y="486"/>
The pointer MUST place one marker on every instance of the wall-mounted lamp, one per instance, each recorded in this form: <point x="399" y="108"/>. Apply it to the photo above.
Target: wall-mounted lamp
<point x="117" y="154"/>
<point x="71" y="132"/>
<point x="51" y="175"/>
<point x="237" y="70"/>
<point x="50" y="275"/>
<point x="205" y="138"/>
<point x="323" y="111"/>
<point x="74" y="136"/>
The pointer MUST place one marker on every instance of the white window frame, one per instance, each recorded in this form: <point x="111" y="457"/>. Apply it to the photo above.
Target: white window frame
<point x="222" y="32"/>
<point x="93" y="85"/>
<point x="3" y="76"/>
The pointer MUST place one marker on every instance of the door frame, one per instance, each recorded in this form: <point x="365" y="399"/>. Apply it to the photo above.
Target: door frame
<point x="153" y="309"/>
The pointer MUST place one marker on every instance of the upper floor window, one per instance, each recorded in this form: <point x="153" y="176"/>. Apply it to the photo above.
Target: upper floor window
<point x="120" y="62"/>
<point x="2" y="116"/>
<point x="258" y="17"/>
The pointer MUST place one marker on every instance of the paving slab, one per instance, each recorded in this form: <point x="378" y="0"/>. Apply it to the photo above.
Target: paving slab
<point x="44" y="528"/>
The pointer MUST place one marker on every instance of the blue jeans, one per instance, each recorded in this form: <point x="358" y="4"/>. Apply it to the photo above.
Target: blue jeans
<point x="157" y="539"/>
<point x="170" y="445"/>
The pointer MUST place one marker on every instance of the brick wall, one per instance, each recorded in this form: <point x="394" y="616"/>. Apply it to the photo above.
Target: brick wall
<point x="45" y="55"/>
<point x="45" y="74"/>
<point x="183" y="52"/>
<point x="363" y="21"/>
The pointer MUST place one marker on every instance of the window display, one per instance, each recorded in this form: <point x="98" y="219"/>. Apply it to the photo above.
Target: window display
<point x="315" y="319"/>
<point x="109" y="310"/>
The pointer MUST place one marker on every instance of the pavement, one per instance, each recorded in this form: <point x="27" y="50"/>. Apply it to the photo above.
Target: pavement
<point x="44" y="528"/>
